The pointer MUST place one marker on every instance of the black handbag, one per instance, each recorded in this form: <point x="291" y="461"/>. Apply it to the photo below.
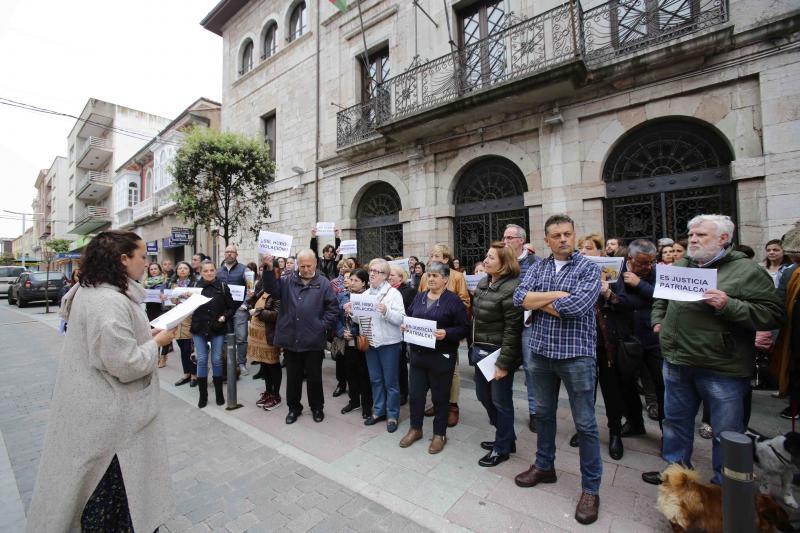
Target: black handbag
<point x="479" y="350"/>
<point x="630" y="354"/>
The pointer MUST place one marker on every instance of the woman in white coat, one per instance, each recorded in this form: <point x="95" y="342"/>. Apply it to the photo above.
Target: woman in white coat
<point x="104" y="428"/>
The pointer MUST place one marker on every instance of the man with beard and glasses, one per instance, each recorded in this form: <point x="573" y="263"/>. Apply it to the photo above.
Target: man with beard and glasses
<point x="708" y="345"/>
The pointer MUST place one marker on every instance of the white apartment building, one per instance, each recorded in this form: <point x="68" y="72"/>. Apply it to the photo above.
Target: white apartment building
<point x="104" y="136"/>
<point x="143" y="190"/>
<point x="630" y="116"/>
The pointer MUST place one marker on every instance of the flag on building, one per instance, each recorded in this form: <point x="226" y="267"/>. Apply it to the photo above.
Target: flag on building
<point x="341" y="5"/>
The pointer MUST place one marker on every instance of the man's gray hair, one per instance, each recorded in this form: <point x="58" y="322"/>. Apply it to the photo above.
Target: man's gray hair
<point x="519" y="229"/>
<point x="307" y="253"/>
<point x="641" y="246"/>
<point x="723" y="223"/>
<point x="439" y="268"/>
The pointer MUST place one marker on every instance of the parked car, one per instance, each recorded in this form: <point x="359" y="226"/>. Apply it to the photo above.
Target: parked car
<point x="30" y="287"/>
<point x="8" y="275"/>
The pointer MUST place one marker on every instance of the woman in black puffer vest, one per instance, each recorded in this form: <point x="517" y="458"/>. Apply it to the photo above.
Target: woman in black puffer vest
<point x="209" y="325"/>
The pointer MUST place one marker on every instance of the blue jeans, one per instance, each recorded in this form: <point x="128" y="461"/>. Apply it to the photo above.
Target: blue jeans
<point x="578" y="376"/>
<point x="239" y="328"/>
<point x="201" y="347"/>
<point x="496" y="397"/>
<point x="684" y="388"/>
<point x="527" y="355"/>
<point x="383" y="364"/>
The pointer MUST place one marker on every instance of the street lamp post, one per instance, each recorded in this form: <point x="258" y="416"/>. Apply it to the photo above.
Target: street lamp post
<point x="47" y="254"/>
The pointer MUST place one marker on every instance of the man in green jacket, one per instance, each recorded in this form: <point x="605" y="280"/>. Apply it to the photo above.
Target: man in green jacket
<point x="708" y="345"/>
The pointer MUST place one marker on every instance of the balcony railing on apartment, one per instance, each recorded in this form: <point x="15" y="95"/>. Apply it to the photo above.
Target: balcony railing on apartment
<point x="94" y="153"/>
<point x="125" y="217"/>
<point x="526" y="48"/>
<point x="94" y="185"/>
<point x="90" y="218"/>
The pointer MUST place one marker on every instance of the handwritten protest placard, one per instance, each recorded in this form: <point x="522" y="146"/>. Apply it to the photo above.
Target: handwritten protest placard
<point x="178" y="294"/>
<point x="610" y="267"/>
<point x="473" y="280"/>
<point x="420" y="331"/>
<point x="683" y="284"/>
<point x="326" y="228"/>
<point x="237" y="292"/>
<point x="364" y="305"/>
<point x="276" y="244"/>
<point x="348" y="247"/>
<point x="402" y="263"/>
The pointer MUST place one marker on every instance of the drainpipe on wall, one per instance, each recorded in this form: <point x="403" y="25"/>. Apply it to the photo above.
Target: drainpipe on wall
<point x="316" y="143"/>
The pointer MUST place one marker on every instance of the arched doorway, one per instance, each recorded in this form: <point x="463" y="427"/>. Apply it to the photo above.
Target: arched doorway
<point x="378" y="227"/>
<point x="488" y="197"/>
<point x="661" y="175"/>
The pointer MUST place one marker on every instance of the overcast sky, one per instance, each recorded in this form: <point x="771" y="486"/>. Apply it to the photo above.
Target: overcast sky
<point x="145" y="54"/>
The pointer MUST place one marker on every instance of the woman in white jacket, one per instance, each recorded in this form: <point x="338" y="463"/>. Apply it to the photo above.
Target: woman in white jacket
<point x="385" y="340"/>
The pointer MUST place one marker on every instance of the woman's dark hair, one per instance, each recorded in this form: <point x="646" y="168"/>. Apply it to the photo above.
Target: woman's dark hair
<point x="328" y="248"/>
<point x="254" y="268"/>
<point x="75" y="277"/>
<point x="361" y="274"/>
<point x="421" y="265"/>
<point x="784" y="261"/>
<point x="160" y="270"/>
<point x="179" y="263"/>
<point x="101" y="260"/>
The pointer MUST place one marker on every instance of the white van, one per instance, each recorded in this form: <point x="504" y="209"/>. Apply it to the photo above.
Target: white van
<point x="8" y="275"/>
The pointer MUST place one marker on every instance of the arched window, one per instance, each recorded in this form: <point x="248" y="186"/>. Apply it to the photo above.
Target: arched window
<point x="298" y="21"/>
<point x="488" y="197"/>
<point x="662" y="174"/>
<point x="246" y="64"/>
<point x="378" y="227"/>
<point x="148" y="183"/>
<point x="133" y="194"/>
<point x="269" y="42"/>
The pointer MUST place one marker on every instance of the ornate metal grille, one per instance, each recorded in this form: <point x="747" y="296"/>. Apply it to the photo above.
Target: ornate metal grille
<point x="661" y="176"/>
<point x="489" y="196"/>
<point x="378" y="227"/>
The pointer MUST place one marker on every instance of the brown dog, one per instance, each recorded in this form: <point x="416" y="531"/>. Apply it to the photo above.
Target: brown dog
<point x="693" y="506"/>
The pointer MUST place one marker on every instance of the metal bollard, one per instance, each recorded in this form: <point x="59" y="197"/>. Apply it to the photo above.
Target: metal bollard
<point x="738" y="490"/>
<point x="230" y="342"/>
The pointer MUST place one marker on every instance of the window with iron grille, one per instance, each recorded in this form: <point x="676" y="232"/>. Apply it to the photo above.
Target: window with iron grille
<point x="376" y="71"/>
<point x="484" y="58"/>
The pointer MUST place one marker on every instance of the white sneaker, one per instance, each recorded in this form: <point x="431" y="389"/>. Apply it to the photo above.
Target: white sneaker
<point x="243" y="370"/>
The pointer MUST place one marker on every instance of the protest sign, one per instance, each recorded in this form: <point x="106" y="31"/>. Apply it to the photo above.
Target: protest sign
<point x="683" y="284"/>
<point x="153" y="296"/>
<point x="237" y="292"/>
<point x="473" y="280"/>
<point x="249" y="279"/>
<point x="610" y="267"/>
<point x="275" y="244"/>
<point x="364" y="305"/>
<point x="326" y="228"/>
<point x="175" y="316"/>
<point x="420" y="331"/>
<point x="348" y="247"/>
<point x="487" y="365"/>
<point x="402" y="263"/>
<point x="176" y="295"/>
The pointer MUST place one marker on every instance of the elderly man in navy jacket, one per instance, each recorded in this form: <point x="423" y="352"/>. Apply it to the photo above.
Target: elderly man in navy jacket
<point x="309" y="310"/>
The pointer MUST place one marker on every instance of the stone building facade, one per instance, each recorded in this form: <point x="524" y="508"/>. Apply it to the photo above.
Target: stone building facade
<point x="630" y="116"/>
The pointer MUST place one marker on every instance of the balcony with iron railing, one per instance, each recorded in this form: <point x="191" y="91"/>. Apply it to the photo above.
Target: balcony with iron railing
<point x="94" y="186"/>
<point x="90" y="219"/>
<point x="545" y="57"/>
<point x="95" y="153"/>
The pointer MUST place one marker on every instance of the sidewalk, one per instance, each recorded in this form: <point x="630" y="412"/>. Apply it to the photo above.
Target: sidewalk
<point x="303" y="471"/>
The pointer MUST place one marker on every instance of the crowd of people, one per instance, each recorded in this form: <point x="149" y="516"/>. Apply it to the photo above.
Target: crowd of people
<point x="553" y="316"/>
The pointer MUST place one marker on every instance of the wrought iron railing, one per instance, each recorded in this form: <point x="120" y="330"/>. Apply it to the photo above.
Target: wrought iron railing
<point x="94" y="176"/>
<point x="524" y="48"/>
<point x="623" y="27"/>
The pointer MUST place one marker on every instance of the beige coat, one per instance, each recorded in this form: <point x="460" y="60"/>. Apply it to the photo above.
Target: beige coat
<point x="105" y="402"/>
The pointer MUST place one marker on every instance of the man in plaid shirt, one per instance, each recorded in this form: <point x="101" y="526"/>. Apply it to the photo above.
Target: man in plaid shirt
<point x="561" y="292"/>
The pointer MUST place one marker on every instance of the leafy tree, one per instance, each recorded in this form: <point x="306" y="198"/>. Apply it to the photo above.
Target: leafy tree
<point x="221" y="180"/>
<point x="58" y="245"/>
<point x="7" y="259"/>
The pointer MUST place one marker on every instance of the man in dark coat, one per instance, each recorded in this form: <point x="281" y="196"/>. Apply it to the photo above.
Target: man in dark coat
<point x="309" y="310"/>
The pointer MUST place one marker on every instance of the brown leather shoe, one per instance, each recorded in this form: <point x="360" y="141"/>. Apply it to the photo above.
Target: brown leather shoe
<point x="533" y="476"/>
<point x="411" y="437"/>
<point x="429" y="411"/>
<point x="437" y="444"/>
<point x="586" y="510"/>
<point x="452" y="415"/>
<point x="162" y="361"/>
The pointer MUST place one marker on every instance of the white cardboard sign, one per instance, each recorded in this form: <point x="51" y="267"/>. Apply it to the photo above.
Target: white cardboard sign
<point x="420" y="331"/>
<point x="364" y="305"/>
<point x="473" y="280"/>
<point x="348" y="247"/>
<point x="402" y="263"/>
<point x="684" y="284"/>
<point x="275" y="244"/>
<point x="237" y="292"/>
<point x="610" y="267"/>
<point x="326" y="228"/>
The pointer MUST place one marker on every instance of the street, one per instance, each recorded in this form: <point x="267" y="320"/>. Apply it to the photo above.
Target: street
<point x="246" y="470"/>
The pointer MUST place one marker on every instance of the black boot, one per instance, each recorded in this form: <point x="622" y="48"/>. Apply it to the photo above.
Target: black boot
<point x="218" y="390"/>
<point x="615" y="449"/>
<point x="202" y="386"/>
<point x="261" y="374"/>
